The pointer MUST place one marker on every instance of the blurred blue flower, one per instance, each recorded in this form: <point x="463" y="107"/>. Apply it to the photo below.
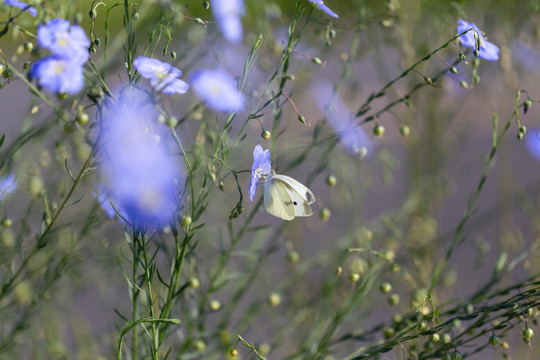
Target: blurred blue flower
<point x="162" y="76"/>
<point x="105" y="201"/>
<point x="532" y="139"/>
<point x="58" y="75"/>
<point x="218" y="90"/>
<point x="261" y="168"/>
<point x="228" y="15"/>
<point x="138" y="169"/>
<point x="319" y="4"/>
<point x="64" y="40"/>
<point x="342" y="120"/>
<point x="8" y="184"/>
<point x="21" y="5"/>
<point x="488" y="50"/>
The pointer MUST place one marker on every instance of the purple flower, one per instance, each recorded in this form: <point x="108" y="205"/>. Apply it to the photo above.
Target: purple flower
<point x="532" y="139"/>
<point x="140" y="174"/>
<point x="351" y="136"/>
<point x="319" y="4"/>
<point x="21" y="5"/>
<point x="261" y="168"/>
<point x="228" y="15"/>
<point x="58" y="75"/>
<point x="64" y="40"/>
<point x="8" y="184"/>
<point x="488" y="50"/>
<point x="162" y="76"/>
<point x="218" y="90"/>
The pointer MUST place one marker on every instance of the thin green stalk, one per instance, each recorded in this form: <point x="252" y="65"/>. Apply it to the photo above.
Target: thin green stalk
<point x="497" y="138"/>
<point x="41" y="241"/>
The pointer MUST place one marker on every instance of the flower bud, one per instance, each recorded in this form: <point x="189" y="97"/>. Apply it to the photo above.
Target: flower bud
<point x="214" y="305"/>
<point x="172" y="121"/>
<point x="7" y="73"/>
<point x="528" y="333"/>
<point x="388" y="332"/>
<point x="6" y="222"/>
<point x="28" y="46"/>
<point x="199" y="345"/>
<point x="274" y="299"/>
<point x="70" y="127"/>
<point x="266" y="135"/>
<point x="464" y="84"/>
<point x="194" y="283"/>
<point x="185" y="221"/>
<point x="293" y="257"/>
<point x="456" y="355"/>
<point x="82" y="118"/>
<point x="385" y="288"/>
<point x="354" y="277"/>
<point x="434" y="338"/>
<point x="428" y="345"/>
<point x="206" y="5"/>
<point x="453" y="70"/>
<point x="393" y="299"/>
<point x="378" y="130"/>
<point x="97" y="41"/>
<point x="331" y="180"/>
<point x="494" y="340"/>
<point x="302" y="119"/>
<point x="527" y="105"/>
<point x="316" y="60"/>
<point x="422" y="326"/>
<point x="233" y="352"/>
<point x="324" y="214"/>
<point x="405" y="130"/>
<point x="446" y="338"/>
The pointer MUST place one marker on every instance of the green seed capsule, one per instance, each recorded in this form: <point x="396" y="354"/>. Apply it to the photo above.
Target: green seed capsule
<point x="494" y="340"/>
<point x="331" y="180"/>
<point x="266" y="135"/>
<point x="385" y="288"/>
<point x="185" y="221"/>
<point x="378" y="130"/>
<point x="528" y="333"/>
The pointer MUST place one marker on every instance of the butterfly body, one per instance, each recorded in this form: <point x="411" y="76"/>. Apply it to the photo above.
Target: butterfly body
<point x="286" y="197"/>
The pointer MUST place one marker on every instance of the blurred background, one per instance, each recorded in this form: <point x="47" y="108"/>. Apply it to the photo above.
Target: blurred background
<point x="396" y="202"/>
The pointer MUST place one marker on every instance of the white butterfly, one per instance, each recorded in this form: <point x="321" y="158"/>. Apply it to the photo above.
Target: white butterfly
<point x="286" y="198"/>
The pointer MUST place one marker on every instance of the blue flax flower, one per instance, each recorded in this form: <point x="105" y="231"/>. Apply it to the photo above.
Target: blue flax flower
<point x="218" y="90"/>
<point x="351" y="136"/>
<point x="21" y="5"/>
<point x="105" y="201"/>
<point x="163" y="77"/>
<point x="137" y="168"/>
<point x="261" y="168"/>
<point x="532" y="139"/>
<point x="228" y="15"/>
<point x="58" y="75"/>
<point x="488" y="50"/>
<point x="64" y="40"/>
<point x="8" y="184"/>
<point x="319" y="4"/>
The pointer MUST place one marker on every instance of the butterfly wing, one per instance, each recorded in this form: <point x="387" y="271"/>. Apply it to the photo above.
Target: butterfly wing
<point x="277" y="200"/>
<point x="299" y="194"/>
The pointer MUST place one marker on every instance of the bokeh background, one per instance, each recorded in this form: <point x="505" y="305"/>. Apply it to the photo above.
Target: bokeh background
<point x="402" y="200"/>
